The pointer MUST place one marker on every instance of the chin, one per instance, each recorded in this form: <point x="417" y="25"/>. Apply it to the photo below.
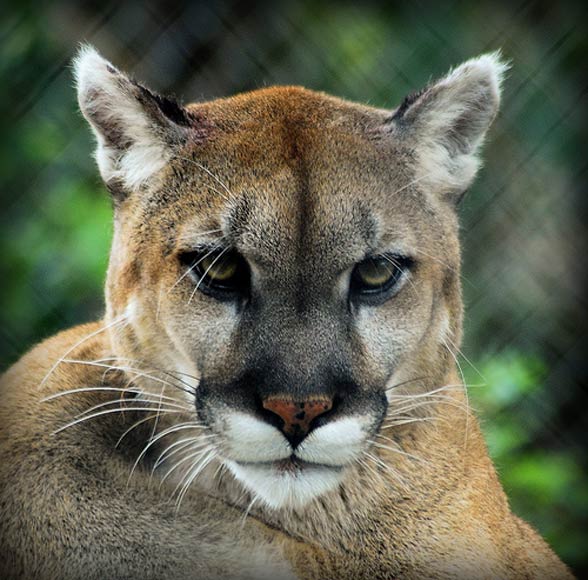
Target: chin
<point x="286" y="484"/>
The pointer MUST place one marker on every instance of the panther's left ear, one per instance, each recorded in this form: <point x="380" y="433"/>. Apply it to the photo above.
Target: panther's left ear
<point x="445" y="124"/>
<point x="136" y="130"/>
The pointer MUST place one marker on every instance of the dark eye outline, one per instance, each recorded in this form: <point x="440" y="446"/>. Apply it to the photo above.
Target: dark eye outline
<point x="377" y="294"/>
<point x="236" y="286"/>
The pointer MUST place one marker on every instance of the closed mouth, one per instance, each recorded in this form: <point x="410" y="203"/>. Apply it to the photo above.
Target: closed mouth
<point x="291" y="465"/>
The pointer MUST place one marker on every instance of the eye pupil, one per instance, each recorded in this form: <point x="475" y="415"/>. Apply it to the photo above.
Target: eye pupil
<point x="376" y="277"/>
<point x="220" y="268"/>
<point x="220" y="272"/>
<point x="376" y="272"/>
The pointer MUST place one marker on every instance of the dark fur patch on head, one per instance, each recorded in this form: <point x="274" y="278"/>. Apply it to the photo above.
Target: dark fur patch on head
<point x="173" y="111"/>
<point x="168" y="107"/>
<point x="406" y="103"/>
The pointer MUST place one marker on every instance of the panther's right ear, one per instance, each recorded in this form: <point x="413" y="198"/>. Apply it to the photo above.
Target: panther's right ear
<point x="136" y="130"/>
<point x="445" y="123"/>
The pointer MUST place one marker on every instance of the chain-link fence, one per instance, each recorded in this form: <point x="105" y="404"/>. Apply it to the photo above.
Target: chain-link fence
<point x="523" y="221"/>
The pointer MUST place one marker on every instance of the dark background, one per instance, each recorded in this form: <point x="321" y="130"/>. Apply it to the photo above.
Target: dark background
<point x="523" y="222"/>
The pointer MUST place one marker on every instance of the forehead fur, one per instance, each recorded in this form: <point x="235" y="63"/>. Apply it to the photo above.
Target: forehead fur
<point x="285" y="170"/>
<point x="296" y="104"/>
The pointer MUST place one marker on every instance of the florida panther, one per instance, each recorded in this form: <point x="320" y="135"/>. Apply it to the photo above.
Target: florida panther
<point x="273" y="390"/>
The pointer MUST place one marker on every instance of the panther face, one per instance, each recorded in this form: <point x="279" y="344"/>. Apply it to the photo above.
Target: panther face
<point x="293" y="254"/>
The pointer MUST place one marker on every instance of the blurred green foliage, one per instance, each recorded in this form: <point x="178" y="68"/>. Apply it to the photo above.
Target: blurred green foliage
<point x="546" y="487"/>
<point x="521" y="221"/>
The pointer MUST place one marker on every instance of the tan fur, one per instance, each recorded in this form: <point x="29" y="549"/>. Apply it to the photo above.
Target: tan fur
<point x="425" y="503"/>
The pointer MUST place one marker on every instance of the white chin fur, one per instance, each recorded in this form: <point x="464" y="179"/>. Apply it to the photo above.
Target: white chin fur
<point x="253" y="449"/>
<point x="250" y="440"/>
<point x="337" y="443"/>
<point x="286" y="489"/>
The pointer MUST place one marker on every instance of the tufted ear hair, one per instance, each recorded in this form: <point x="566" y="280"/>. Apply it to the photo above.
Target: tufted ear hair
<point x="136" y="130"/>
<point x="446" y="122"/>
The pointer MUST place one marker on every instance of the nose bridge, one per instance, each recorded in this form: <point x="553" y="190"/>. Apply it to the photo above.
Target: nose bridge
<point x="302" y="348"/>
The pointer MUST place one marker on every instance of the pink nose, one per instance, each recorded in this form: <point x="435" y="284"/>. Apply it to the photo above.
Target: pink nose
<point x="298" y="415"/>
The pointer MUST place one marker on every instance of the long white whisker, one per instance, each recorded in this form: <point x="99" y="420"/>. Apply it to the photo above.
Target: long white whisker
<point x="121" y="401"/>
<point x="190" y="389"/>
<point x="460" y="352"/>
<point x="395" y="450"/>
<point x="165" y="432"/>
<point x="198" y="449"/>
<point x="206" y="272"/>
<point x="217" y="179"/>
<point x="369" y="467"/>
<point x="191" y="268"/>
<point x="165" y="371"/>
<point x="156" y="422"/>
<point x="406" y="274"/>
<point x="407" y="420"/>
<point x="116" y="321"/>
<point x="132" y="370"/>
<point x="429" y="393"/>
<point x="176" y="446"/>
<point x="248" y="510"/>
<point x="389" y="469"/>
<point x="203" y="463"/>
<point x="435" y="399"/>
<point x="413" y="182"/>
<point x="180" y="485"/>
<point x="108" y="412"/>
<point x="467" y="398"/>
<point x="94" y="389"/>
<point x="134" y="426"/>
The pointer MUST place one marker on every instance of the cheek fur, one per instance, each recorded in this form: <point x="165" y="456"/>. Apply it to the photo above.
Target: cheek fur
<point x="390" y="332"/>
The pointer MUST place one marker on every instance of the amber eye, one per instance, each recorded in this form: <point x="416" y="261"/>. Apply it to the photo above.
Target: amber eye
<point x="378" y="276"/>
<point x="375" y="273"/>
<point x="219" y="268"/>
<point x="221" y="272"/>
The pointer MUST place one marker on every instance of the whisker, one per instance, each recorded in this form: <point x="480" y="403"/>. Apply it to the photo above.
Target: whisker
<point x="387" y="468"/>
<point x="368" y="467"/>
<point x="248" y="510"/>
<point x="406" y="382"/>
<point x="395" y="450"/>
<point x="184" y="386"/>
<point x="467" y="398"/>
<point x="94" y="389"/>
<point x="165" y="371"/>
<point x="122" y="400"/>
<point x="436" y="259"/>
<point x="420" y="404"/>
<point x="199" y="448"/>
<point x="413" y="182"/>
<point x="155" y="423"/>
<point x="191" y="268"/>
<point x="167" y="452"/>
<point x="432" y="392"/>
<point x="221" y="253"/>
<point x="128" y="369"/>
<point x="460" y="352"/>
<point x="203" y="463"/>
<point x="108" y="412"/>
<point x="407" y="274"/>
<point x="164" y="433"/>
<point x="134" y="426"/>
<point x="407" y="420"/>
<point x="116" y="321"/>
<point x="216" y="178"/>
